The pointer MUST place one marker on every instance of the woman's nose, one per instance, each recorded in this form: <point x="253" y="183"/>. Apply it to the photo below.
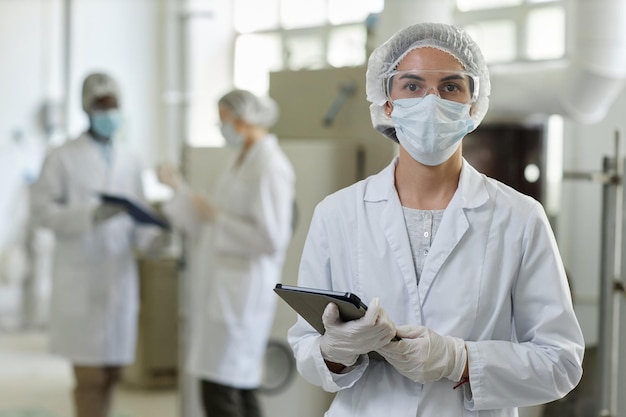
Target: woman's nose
<point x="431" y="90"/>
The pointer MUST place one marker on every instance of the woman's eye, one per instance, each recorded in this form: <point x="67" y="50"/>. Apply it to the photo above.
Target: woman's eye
<point x="412" y="87"/>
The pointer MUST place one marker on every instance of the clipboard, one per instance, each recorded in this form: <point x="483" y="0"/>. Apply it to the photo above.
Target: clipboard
<point x="139" y="213"/>
<point x="310" y="303"/>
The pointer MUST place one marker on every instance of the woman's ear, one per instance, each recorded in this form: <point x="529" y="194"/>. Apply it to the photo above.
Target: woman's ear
<point x="388" y="108"/>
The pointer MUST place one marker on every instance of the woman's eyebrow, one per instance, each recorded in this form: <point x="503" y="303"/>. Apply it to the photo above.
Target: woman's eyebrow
<point x="413" y="76"/>
<point x="453" y="77"/>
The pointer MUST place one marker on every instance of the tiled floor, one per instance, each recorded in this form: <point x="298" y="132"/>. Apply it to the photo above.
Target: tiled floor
<point x="36" y="384"/>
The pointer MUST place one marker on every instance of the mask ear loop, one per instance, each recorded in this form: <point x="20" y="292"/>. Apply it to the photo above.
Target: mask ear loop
<point x="385" y="87"/>
<point x="475" y="88"/>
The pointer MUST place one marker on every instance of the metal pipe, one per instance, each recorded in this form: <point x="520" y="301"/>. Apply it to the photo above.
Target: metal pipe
<point x="610" y="270"/>
<point x="611" y="284"/>
<point x="345" y="91"/>
<point x="617" y="270"/>
<point x="606" y="306"/>
<point x="601" y="177"/>
<point x="181" y="27"/>
<point x="596" y="62"/>
<point x="66" y="63"/>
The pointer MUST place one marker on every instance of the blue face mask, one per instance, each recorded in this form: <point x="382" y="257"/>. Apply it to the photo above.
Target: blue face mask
<point x="232" y="137"/>
<point x="430" y="128"/>
<point x="106" y="122"/>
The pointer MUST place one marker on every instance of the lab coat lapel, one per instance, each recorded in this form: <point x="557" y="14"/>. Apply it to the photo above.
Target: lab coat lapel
<point x="471" y="193"/>
<point x="394" y="228"/>
<point x="90" y="163"/>
<point x="398" y="240"/>
<point x="453" y="226"/>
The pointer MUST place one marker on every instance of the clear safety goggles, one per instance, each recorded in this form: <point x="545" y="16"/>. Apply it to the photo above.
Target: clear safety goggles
<point x="459" y="86"/>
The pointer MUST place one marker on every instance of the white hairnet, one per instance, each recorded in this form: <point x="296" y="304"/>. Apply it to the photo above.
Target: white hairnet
<point x="447" y="38"/>
<point x="258" y="111"/>
<point x="98" y="85"/>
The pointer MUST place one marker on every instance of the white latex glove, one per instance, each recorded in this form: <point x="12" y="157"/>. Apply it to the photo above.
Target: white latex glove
<point x="425" y="356"/>
<point x="168" y="174"/>
<point x="204" y="208"/>
<point x="343" y="342"/>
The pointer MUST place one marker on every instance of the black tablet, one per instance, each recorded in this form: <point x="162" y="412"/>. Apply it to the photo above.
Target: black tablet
<point x="138" y="212"/>
<point x="310" y="303"/>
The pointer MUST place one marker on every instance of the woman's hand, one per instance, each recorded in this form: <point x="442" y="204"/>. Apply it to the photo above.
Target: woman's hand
<point x="204" y="208"/>
<point x="169" y="175"/>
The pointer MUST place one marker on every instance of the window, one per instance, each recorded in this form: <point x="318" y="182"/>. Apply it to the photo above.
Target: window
<point x="255" y="15"/>
<point x="468" y="5"/>
<point x="255" y="56"/>
<point x="497" y="39"/>
<point x="274" y="35"/>
<point x="547" y="23"/>
<point x="515" y="30"/>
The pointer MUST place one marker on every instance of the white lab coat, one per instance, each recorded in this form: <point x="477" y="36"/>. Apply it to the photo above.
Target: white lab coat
<point x="238" y="260"/>
<point x="493" y="277"/>
<point x="94" y="301"/>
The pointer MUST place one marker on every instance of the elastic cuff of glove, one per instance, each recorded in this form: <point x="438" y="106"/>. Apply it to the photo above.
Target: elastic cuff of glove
<point x="350" y="368"/>
<point x="460" y="359"/>
<point x="344" y="361"/>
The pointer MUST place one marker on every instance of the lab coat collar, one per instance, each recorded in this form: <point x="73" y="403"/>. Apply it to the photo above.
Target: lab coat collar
<point x="381" y="186"/>
<point x="471" y="192"/>
<point x="269" y="140"/>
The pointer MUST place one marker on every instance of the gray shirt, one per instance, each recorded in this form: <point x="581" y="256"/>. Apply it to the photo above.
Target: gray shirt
<point x="421" y="226"/>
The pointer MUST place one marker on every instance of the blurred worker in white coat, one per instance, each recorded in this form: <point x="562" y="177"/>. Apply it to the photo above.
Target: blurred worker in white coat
<point x="464" y="269"/>
<point x="94" y="301"/>
<point x="241" y="237"/>
<point x="19" y="164"/>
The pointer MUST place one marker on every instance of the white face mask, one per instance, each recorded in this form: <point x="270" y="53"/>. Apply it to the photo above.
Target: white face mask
<point x="232" y="137"/>
<point x="431" y="128"/>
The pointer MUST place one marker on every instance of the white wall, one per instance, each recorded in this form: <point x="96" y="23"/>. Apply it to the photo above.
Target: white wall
<point x="117" y="36"/>
<point x="30" y="39"/>
<point x="122" y="38"/>
<point x="579" y="225"/>
<point x="209" y="50"/>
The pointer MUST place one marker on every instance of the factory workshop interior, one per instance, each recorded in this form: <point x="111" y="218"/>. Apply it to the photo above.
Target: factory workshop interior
<point x="554" y="131"/>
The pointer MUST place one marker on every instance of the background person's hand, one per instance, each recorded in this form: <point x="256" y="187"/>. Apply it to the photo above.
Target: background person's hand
<point x="169" y="175"/>
<point x="205" y="209"/>
<point x="343" y="342"/>
<point x="106" y="211"/>
<point x="424" y="356"/>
